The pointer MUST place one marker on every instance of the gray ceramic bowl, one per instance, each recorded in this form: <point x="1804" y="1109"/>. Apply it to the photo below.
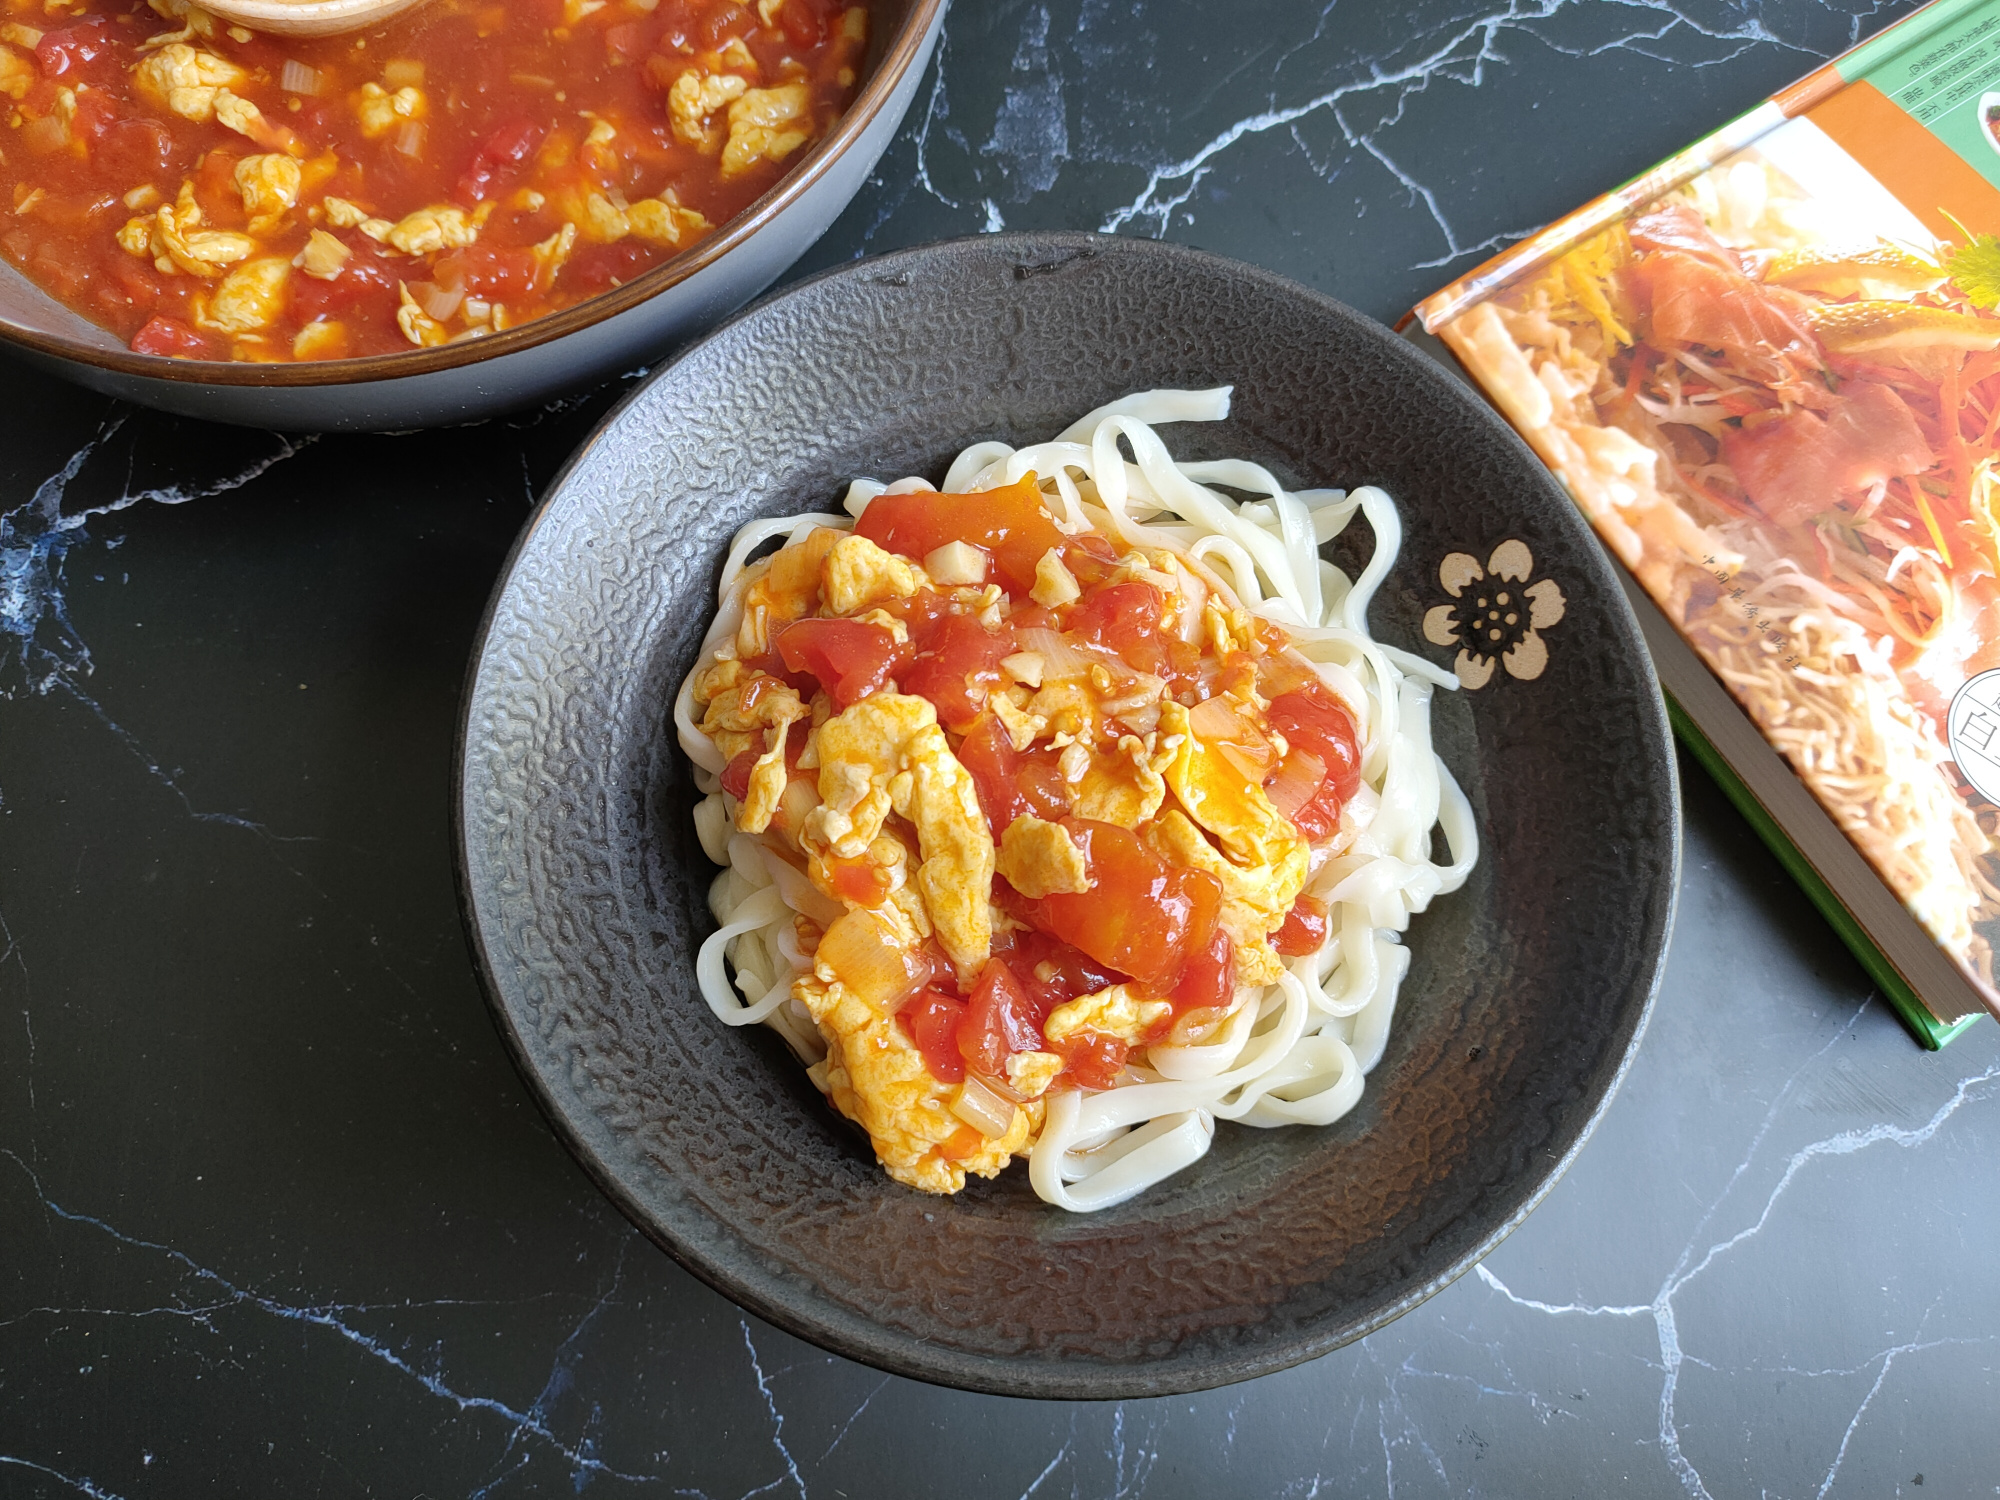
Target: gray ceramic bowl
<point x="584" y="885"/>
<point x="613" y="331"/>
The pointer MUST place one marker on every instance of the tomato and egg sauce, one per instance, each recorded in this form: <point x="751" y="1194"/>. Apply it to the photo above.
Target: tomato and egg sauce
<point x="1064" y="795"/>
<point x="207" y="192"/>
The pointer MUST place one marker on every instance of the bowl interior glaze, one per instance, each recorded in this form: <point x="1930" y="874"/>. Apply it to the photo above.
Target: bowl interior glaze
<point x="584" y="885"/>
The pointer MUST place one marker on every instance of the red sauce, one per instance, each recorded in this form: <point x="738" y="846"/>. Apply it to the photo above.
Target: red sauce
<point x="230" y="195"/>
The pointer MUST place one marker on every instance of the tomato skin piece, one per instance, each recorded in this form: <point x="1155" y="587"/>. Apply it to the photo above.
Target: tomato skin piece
<point x="1312" y="719"/>
<point x="958" y="656"/>
<point x="1141" y="915"/>
<point x="171" y="337"/>
<point x="849" y="658"/>
<point x="934" y="1020"/>
<point x="1303" y="930"/>
<point x="1001" y="1019"/>
<point x="1011" y="523"/>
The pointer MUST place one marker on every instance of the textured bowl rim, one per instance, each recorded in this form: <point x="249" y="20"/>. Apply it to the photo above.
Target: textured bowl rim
<point x="901" y="1354"/>
<point x="918" y="24"/>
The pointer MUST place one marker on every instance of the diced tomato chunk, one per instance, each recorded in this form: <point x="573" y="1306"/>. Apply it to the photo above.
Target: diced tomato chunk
<point x="172" y="337"/>
<point x="1010" y="784"/>
<point x="1311" y="718"/>
<point x="1001" y="1019"/>
<point x="1209" y="980"/>
<point x="64" y="52"/>
<point x="495" y="272"/>
<point x="1125" y="618"/>
<point x="850" y="658"/>
<point x="1010" y="523"/>
<point x="934" y="1020"/>
<point x="1303" y="930"/>
<point x="1141" y="915"/>
<point x="505" y="147"/>
<point x="861" y="880"/>
<point x="1121" y="616"/>
<point x="736" y="775"/>
<point x="363" y="277"/>
<point x="1092" y="1059"/>
<point x="959" y="658"/>
<point x="805" y="21"/>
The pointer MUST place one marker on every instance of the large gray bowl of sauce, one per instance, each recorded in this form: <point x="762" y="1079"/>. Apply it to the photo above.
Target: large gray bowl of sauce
<point x="619" y="328"/>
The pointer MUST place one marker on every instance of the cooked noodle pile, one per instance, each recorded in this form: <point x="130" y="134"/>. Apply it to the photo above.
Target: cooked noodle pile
<point x="1289" y="1052"/>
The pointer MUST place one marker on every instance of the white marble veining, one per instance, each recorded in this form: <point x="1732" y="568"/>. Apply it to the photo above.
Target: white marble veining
<point x="1765" y="1277"/>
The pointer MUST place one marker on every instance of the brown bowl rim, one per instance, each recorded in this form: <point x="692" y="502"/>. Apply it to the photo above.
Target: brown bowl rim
<point x="875" y="93"/>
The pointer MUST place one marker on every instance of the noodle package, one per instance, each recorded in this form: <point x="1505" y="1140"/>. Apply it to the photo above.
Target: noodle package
<point x="1768" y="372"/>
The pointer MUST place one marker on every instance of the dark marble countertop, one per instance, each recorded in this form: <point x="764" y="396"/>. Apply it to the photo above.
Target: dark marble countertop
<point x="278" y="1218"/>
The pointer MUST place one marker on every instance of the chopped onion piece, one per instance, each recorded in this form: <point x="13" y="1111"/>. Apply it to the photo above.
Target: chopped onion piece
<point x="982" y="1109"/>
<point x="866" y="958"/>
<point x="410" y="139"/>
<point x="439" y="302"/>
<point x="1062" y="658"/>
<point x="297" y="78"/>
<point x="1214" y="719"/>
<point x="1299" y="776"/>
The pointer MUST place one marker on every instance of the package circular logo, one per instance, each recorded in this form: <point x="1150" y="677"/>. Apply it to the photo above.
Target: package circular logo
<point x="1973" y="730"/>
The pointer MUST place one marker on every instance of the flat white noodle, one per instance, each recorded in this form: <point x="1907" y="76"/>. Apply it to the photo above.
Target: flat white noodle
<point x="1297" y="1052"/>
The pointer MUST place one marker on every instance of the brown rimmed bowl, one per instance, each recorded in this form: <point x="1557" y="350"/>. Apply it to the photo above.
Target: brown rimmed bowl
<point x="584" y="886"/>
<point x="615" y="330"/>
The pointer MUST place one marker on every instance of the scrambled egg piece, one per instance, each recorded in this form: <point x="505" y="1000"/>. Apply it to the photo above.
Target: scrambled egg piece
<point x="767" y="125"/>
<point x="381" y="111"/>
<point x="442" y="226"/>
<point x="600" y="221"/>
<point x="858" y="573"/>
<point x="323" y="256"/>
<point x="887" y="754"/>
<point x="172" y="236"/>
<point x="17" y="74"/>
<point x="418" y="326"/>
<point x="243" y="117"/>
<point x="697" y="95"/>
<point x="1255" y="901"/>
<point x="248" y="298"/>
<point x="1216" y="796"/>
<point x="1009" y="706"/>
<point x="322" y="340"/>
<point x="751" y="711"/>
<point x="1041" y="859"/>
<point x="1029" y="1074"/>
<point x="1121" y="787"/>
<point x="661" y="221"/>
<point x="186" y="80"/>
<point x="1119" y="1011"/>
<point x="781" y="589"/>
<point x="1066" y="707"/>
<point x="876" y="1077"/>
<point x="269" y="184"/>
